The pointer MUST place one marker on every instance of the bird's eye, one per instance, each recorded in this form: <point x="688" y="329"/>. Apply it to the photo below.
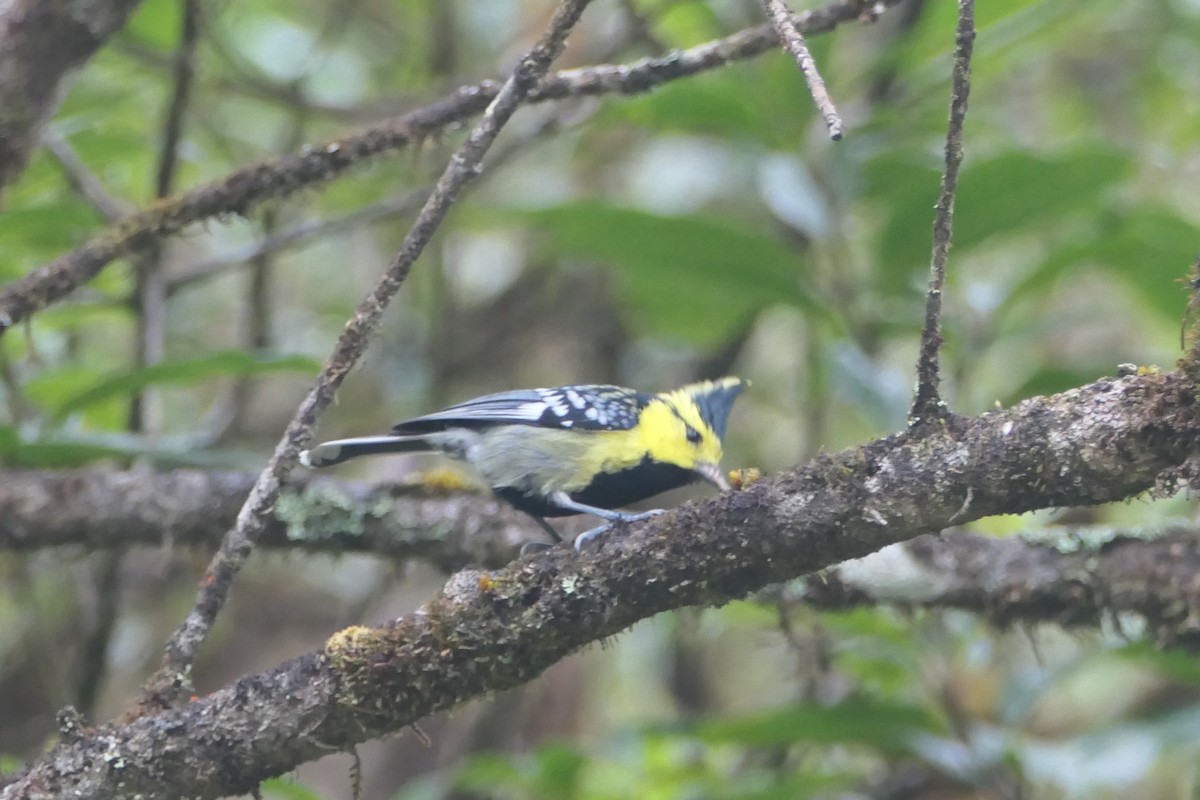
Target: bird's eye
<point x="693" y="435"/>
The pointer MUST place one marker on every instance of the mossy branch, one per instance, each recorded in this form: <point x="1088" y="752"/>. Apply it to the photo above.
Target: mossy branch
<point x="491" y="630"/>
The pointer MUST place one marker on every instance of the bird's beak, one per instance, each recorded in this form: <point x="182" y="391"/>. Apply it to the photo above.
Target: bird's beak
<point x="712" y="473"/>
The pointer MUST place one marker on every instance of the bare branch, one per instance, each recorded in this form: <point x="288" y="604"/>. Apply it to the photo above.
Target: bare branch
<point x="297" y="234"/>
<point x="793" y="42"/>
<point x="489" y="631"/>
<point x="172" y="677"/>
<point x="927" y="405"/>
<point x="312" y="166"/>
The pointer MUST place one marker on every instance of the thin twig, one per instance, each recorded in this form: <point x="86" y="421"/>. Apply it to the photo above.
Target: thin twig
<point x="184" y="74"/>
<point x="297" y="234"/>
<point x="83" y="180"/>
<point x="173" y="676"/>
<point x="312" y="166"/>
<point x="19" y="408"/>
<point x="94" y="651"/>
<point x="793" y="41"/>
<point x="149" y="299"/>
<point x="321" y="228"/>
<point x="150" y="294"/>
<point x="928" y="405"/>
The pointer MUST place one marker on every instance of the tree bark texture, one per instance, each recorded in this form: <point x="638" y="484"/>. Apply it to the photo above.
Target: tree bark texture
<point x="489" y="630"/>
<point x="41" y="41"/>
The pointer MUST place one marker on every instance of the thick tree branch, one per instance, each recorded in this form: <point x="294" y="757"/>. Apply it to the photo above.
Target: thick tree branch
<point x="1064" y="577"/>
<point x="41" y="41"/>
<point x="120" y="509"/>
<point x="488" y="631"/>
<point x="313" y="166"/>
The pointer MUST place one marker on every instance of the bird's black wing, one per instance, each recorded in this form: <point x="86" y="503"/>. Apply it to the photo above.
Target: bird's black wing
<point x="586" y="407"/>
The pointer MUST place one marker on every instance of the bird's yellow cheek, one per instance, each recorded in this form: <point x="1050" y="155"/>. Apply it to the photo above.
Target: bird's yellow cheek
<point x="663" y="436"/>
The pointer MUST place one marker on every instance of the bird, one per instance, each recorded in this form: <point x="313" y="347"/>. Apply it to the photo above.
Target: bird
<point x="579" y="449"/>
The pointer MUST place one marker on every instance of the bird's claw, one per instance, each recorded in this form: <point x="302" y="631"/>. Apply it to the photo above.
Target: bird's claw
<point x="535" y="547"/>
<point x="583" y="539"/>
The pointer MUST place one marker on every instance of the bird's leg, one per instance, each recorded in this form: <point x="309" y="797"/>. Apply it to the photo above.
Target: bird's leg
<point x="587" y="536"/>
<point x="537" y="547"/>
<point x="611" y="516"/>
<point x="546" y="527"/>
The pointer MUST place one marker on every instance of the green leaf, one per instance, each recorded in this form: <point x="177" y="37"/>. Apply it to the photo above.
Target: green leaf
<point x="47" y="389"/>
<point x="490" y="772"/>
<point x="559" y="769"/>
<point x="859" y="720"/>
<point x="73" y="450"/>
<point x="156" y="24"/>
<point x="1150" y="249"/>
<point x="184" y="372"/>
<point x="694" y="277"/>
<point x="33" y="234"/>
<point x="52" y="455"/>
<point x="747" y="102"/>
<point x="1174" y="664"/>
<point x="72" y="315"/>
<point x="716" y="104"/>
<point x="686" y="24"/>
<point x="792" y="787"/>
<point x="1053" y="379"/>
<point x="288" y="789"/>
<point x="1026" y="24"/>
<point x="904" y="189"/>
<point x="1016" y="190"/>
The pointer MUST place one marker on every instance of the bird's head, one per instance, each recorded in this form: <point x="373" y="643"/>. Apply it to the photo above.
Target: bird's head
<point x="685" y="427"/>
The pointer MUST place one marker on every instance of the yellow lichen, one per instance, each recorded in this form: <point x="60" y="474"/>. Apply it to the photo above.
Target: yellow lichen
<point x="444" y="479"/>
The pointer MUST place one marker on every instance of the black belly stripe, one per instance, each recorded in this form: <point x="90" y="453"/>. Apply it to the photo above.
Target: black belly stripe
<point x="608" y="490"/>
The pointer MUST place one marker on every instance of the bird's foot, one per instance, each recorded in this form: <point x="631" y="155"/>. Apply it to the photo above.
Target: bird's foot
<point x="583" y="539"/>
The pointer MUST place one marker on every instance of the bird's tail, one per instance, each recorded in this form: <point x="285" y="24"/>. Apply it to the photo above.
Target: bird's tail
<point x="335" y="452"/>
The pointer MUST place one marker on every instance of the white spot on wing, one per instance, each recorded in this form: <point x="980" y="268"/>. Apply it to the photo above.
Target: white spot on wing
<point x="530" y="410"/>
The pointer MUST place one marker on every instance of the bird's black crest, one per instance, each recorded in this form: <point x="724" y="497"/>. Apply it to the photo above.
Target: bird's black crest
<point x="715" y="400"/>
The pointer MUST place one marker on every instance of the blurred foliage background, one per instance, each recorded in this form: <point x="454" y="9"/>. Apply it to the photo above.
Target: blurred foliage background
<point x="708" y="227"/>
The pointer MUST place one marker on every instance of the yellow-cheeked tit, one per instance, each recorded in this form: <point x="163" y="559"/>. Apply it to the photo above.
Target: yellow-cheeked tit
<point x="586" y="449"/>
